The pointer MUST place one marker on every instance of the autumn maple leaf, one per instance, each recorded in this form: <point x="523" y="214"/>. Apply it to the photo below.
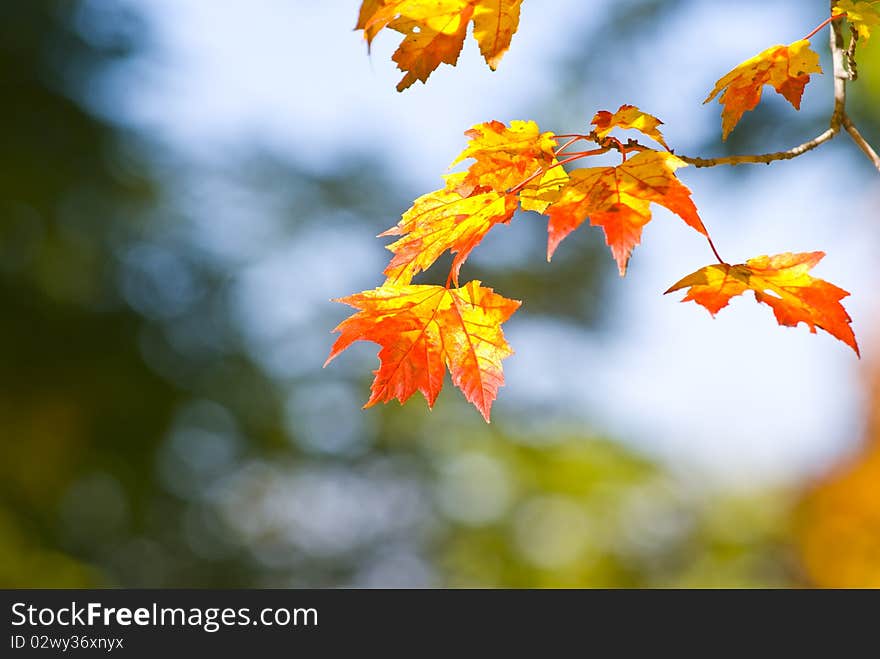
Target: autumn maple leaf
<point x="506" y="156"/>
<point x="786" y="68"/>
<point x="783" y="282"/>
<point x="618" y="199"/>
<point x="457" y="217"/>
<point x="445" y="220"/>
<point x="422" y="331"/>
<point x="629" y="116"/>
<point x="861" y="14"/>
<point x="434" y="31"/>
<point x="495" y="22"/>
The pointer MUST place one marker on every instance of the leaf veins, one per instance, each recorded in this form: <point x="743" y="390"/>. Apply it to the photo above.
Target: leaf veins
<point x="444" y="220"/>
<point x="618" y="199"/>
<point x="424" y="330"/>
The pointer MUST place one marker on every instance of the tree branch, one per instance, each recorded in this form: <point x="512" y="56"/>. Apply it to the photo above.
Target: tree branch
<point x="840" y="74"/>
<point x="766" y="158"/>
<point x="840" y="117"/>
<point x="862" y="143"/>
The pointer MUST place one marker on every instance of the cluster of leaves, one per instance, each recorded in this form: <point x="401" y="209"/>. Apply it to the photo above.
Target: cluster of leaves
<point x="425" y="330"/>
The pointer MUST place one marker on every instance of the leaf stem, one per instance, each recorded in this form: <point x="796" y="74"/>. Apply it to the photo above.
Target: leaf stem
<point x="823" y="24"/>
<point x="582" y="154"/>
<point x="541" y="170"/>
<point x="715" y="251"/>
<point x="562" y="148"/>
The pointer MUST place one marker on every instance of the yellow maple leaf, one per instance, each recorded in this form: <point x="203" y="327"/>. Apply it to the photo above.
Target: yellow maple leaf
<point x="495" y="22"/>
<point x="506" y="156"/>
<point x="629" y="116"/>
<point x="862" y="14"/>
<point x="444" y="220"/>
<point x="458" y="216"/>
<point x="439" y="16"/>
<point x="434" y="31"/>
<point x="786" y="68"/>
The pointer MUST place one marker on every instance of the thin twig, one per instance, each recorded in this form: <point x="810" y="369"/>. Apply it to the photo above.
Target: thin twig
<point x="543" y="170"/>
<point x="840" y="117"/>
<point x="765" y="158"/>
<point x="828" y="20"/>
<point x="862" y="143"/>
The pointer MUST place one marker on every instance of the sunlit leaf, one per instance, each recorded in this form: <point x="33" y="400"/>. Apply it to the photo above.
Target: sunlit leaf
<point x="434" y="31"/>
<point x="444" y="220"/>
<point x="618" y="199"/>
<point x="422" y="331"/>
<point x="785" y="68"/>
<point x="783" y="282"/>
<point x="629" y="117"/>
<point x="862" y="14"/>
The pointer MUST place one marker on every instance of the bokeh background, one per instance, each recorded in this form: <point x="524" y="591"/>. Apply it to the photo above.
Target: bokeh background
<point x="185" y="184"/>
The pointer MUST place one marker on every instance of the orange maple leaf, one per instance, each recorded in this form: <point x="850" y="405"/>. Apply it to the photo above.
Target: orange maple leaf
<point x="445" y="220"/>
<point x="783" y="282"/>
<point x="422" y="331"/>
<point x="629" y="116"/>
<point x="434" y="31"/>
<point x="618" y="199"/>
<point x="786" y="68"/>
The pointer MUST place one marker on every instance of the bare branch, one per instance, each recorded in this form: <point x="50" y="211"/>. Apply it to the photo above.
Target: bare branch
<point x="862" y="143"/>
<point x="840" y="117"/>
<point x="765" y="158"/>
